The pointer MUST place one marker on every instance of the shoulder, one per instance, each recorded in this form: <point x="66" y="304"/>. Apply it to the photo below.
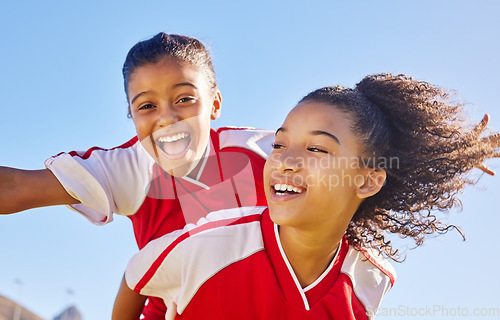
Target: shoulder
<point x="130" y="152"/>
<point x="129" y="157"/>
<point x="130" y="145"/>
<point x="255" y="140"/>
<point x="372" y="276"/>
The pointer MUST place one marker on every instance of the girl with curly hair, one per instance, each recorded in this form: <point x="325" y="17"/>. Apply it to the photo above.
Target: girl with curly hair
<point x="349" y="167"/>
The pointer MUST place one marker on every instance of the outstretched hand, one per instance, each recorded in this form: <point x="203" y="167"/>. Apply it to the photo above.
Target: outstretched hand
<point x="493" y="140"/>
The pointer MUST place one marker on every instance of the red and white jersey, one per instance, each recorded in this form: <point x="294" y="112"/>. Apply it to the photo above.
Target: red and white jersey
<point x="127" y="181"/>
<point x="231" y="265"/>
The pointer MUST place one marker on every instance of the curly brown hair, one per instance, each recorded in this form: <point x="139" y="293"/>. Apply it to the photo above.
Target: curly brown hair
<point x="422" y="127"/>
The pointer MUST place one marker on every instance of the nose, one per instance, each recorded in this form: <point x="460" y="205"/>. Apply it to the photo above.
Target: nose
<point x="288" y="162"/>
<point x="167" y="115"/>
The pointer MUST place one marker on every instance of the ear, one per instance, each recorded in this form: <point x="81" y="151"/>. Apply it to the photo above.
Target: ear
<point x="216" y="105"/>
<point x="374" y="181"/>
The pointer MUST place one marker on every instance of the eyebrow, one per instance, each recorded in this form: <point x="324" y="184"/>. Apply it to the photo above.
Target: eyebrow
<point x="189" y="84"/>
<point x="177" y="85"/>
<point x="316" y="133"/>
<point x="328" y="134"/>
<point x="137" y="96"/>
<point x="280" y="129"/>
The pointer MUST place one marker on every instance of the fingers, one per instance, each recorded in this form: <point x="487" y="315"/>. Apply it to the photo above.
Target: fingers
<point x="481" y="125"/>
<point x="486" y="170"/>
<point x="493" y="140"/>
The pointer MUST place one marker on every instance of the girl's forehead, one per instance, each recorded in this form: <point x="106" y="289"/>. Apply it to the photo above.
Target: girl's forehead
<point x="313" y="113"/>
<point x="309" y="119"/>
<point x="166" y="73"/>
<point x="166" y="65"/>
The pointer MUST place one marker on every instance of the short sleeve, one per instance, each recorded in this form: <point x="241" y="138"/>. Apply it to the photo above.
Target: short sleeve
<point x="105" y="181"/>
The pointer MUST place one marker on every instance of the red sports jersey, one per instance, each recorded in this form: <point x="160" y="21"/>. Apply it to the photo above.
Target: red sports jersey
<point x="127" y="181"/>
<point x="231" y="266"/>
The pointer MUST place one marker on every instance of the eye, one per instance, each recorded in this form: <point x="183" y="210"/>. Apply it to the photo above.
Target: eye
<point x="185" y="99"/>
<point x="146" y="106"/>
<point x="277" y="146"/>
<point x="317" y="149"/>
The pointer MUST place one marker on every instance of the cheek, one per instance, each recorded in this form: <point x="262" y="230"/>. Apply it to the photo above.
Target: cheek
<point x="201" y="125"/>
<point x="343" y="182"/>
<point x="266" y="172"/>
<point x="196" y="110"/>
<point x="270" y="165"/>
<point x="141" y="127"/>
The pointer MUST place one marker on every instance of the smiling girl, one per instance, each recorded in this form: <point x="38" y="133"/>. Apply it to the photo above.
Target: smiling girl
<point x="316" y="251"/>
<point x="175" y="171"/>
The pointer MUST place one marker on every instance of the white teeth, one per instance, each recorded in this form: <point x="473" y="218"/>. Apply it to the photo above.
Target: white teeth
<point x="286" y="187"/>
<point x="173" y="138"/>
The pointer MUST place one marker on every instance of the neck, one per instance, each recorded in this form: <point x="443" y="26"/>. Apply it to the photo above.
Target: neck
<point x="309" y="253"/>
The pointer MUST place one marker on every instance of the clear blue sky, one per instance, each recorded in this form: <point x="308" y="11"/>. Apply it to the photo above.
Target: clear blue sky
<point x="61" y="89"/>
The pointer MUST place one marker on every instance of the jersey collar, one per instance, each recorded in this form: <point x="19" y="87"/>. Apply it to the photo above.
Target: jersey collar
<point x="302" y="297"/>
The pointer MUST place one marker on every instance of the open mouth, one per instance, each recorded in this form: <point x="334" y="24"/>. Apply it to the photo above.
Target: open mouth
<point x="282" y="189"/>
<point x="176" y="145"/>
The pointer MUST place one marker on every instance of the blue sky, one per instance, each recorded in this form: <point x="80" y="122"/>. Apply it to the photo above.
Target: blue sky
<point x="61" y="89"/>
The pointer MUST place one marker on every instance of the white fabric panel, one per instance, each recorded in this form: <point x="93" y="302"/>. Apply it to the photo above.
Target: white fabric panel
<point x="258" y="141"/>
<point x="108" y="181"/>
<point x="190" y="264"/>
<point x="369" y="283"/>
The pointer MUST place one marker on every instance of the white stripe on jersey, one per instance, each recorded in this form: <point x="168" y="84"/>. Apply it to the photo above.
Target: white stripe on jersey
<point x="257" y="141"/>
<point x="189" y="263"/>
<point x="369" y="280"/>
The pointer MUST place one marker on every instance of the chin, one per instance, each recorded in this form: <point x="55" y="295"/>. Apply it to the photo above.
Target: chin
<point x="182" y="170"/>
<point x="280" y="216"/>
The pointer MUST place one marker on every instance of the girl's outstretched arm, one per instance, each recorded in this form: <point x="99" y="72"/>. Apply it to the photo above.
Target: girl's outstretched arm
<point x="128" y="304"/>
<point x="25" y="189"/>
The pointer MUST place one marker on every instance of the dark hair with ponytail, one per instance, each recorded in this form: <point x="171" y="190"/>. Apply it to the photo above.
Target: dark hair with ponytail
<point x="164" y="45"/>
<point x="418" y="135"/>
